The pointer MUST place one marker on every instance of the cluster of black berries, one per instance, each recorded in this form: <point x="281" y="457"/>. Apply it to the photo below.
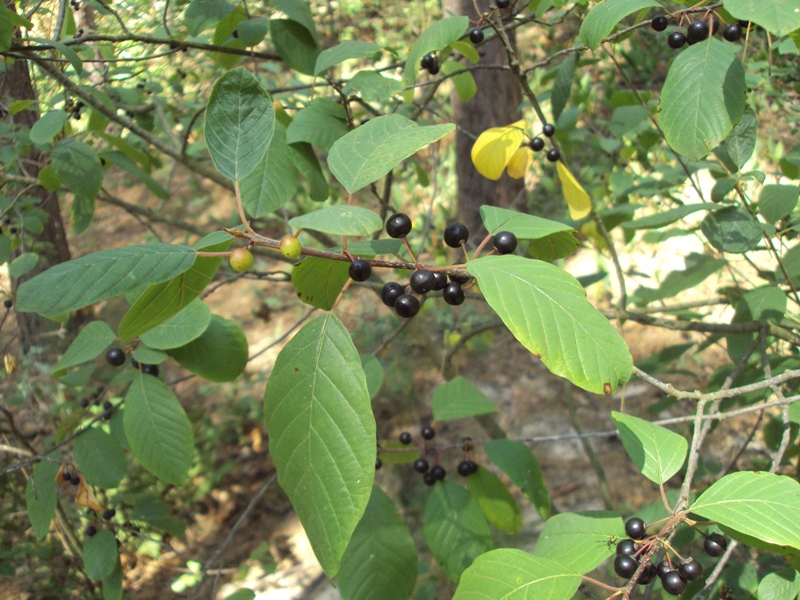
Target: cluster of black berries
<point x="107" y="515"/>
<point x="116" y="358"/>
<point x="430" y="475"/>
<point x="6" y="223"/>
<point x="73" y="477"/>
<point x="697" y="31"/>
<point x="75" y="5"/>
<point x="537" y="144"/>
<point x="430" y="64"/>
<point x="674" y="576"/>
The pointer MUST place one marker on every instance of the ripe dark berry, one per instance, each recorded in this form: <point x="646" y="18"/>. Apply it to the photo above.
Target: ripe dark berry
<point x="460" y="279"/>
<point x="663" y="568"/>
<point x="434" y="70"/>
<point x="453" y="294"/>
<point x="109" y="513"/>
<point x="548" y="130"/>
<point x="91" y="530"/>
<point x="428" y="433"/>
<point x="421" y="465"/>
<point x="690" y="569"/>
<point x="672" y="583"/>
<point x="635" y="528"/>
<point x="502" y="3"/>
<point x="107" y="405"/>
<point x="8" y="303"/>
<point x="378" y="463"/>
<point x="391" y="292"/>
<point x="422" y="281"/>
<point x="697" y="31"/>
<point x="75" y="479"/>
<point x="467" y="468"/>
<point x="455" y="234"/>
<point x="732" y="32"/>
<point x="406" y="306"/>
<point x="476" y="35"/>
<point x="676" y="40"/>
<point x="553" y="155"/>
<point x="438" y="472"/>
<point x="360" y="270"/>
<point x="427" y="62"/>
<point x="647" y="575"/>
<point x="625" y="566"/>
<point x="659" y="23"/>
<point x="537" y="144"/>
<point x="715" y="545"/>
<point x="150" y="370"/>
<point x="428" y="478"/>
<point x="505" y="242"/>
<point x="405" y="438"/>
<point x="398" y="225"/>
<point x="440" y="281"/>
<point x="626" y="547"/>
<point x="115" y="357"/>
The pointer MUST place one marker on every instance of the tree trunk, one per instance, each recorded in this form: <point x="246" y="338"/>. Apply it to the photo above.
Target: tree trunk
<point x="496" y="104"/>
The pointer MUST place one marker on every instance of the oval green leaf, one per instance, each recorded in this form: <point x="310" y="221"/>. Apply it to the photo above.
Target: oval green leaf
<point x="604" y="16"/>
<point x="88" y="345"/>
<point x="78" y="168"/>
<point x="436" y="36"/>
<point x="656" y="451"/>
<point x="220" y="354"/>
<point x="322" y="434"/>
<point x="731" y="229"/>
<point x="321" y="123"/>
<point x="100" y="458"/>
<point x="186" y="326"/>
<point x="48" y="126"/>
<point x="525" y="227"/>
<point x="517" y="461"/>
<point x="777" y="201"/>
<point x="580" y="542"/>
<point x="41" y="503"/>
<point x="340" y="220"/>
<point x="318" y="281"/>
<point x="779" y="18"/>
<point x="459" y="398"/>
<point x="100" y="554"/>
<point x="496" y="502"/>
<point x="274" y="180"/>
<point x="344" y="51"/>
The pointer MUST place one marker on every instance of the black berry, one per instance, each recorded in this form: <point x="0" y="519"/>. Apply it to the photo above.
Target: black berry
<point x="663" y="568"/>
<point x="647" y="575"/>
<point x="75" y="479"/>
<point x="676" y="40"/>
<point x="427" y="433"/>
<point x="405" y="438"/>
<point x="428" y="478"/>
<point x="502" y="3"/>
<point x="453" y="294"/>
<point x="91" y="530"/>
<point x="427" y="62"/>
<point x="672" y="583"/>
<point x="476" y="35"/>
<point x="537" y="144"/>
<point x="422" y="281"/>
<point x="421" y="465"/>
<point x="697" y="31"/>
<point x="406" y="306"/>
<point x="440" y="281"/>
<point x="659" y="23"/>
<point x="391" y="292"/>
<point x="398" y="225"/>
<point x="732" y="32"/>
<point x="626" y="547"/>
<point x="8" y="303"/>
<point x="715" y="545"/>
<point x="378" y="463"/>
<point x="635" y="528"/>
<point x="434" y="70"/>
<point x="553" y="155"/>
<point x="107" y="405"/>
<point x="115" y="357"/>
<point x="467" y="468"/>
<point x="360" y="270"/>
<point x="150" y="370"/>
<point x="548" y="130"/>
<point x="505" y="242"/>
<point x="625" y="566"/>
<point x="460" y="279"/>
<point x="455" y="234"/>
<point x="438" y="472"/>
<point x="690" y="569"/>
<point x="109" y="513"/>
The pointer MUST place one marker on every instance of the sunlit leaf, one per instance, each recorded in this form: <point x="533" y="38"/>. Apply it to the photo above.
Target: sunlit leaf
<point x="578" y="200"/>
<point x="495" y="147"/>
<point x="656" y="451"/>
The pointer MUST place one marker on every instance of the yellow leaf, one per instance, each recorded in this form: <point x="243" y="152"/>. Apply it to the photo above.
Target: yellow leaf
<point x="85" y="497"/>
<point x="577" y="198"/>
<point x="495" y="147"/>
<point x="520" y="162"/>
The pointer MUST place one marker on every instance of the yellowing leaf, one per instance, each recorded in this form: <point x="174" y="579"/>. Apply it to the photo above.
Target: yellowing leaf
<point x="519" y="163"/>
<point x="86" y="498"/>
<point x="495" y="147"/>
<point x="577" y="198"/>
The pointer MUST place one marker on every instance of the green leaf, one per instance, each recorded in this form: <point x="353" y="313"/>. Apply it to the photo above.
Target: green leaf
<point x="525" y="227"/>
<point x="779" y="18"/>
<point x="547" y="311"/>
<point x="496" y="502"/>
<point x="668" y="217"/>
<point x="158" y="430"/>
<point x="373" y="371"/>
<point x="458" y="399"/>
<point x="24" y="263"/>
<point x="243" y="594"/>
<point x="340" y="220"/>
<point x="48" y="178"/>
<point x="100" y="554"/>
<point x="154" y="512"/>
<point x="306" y="161"/>
<point x="78" y="168"/>
<point x="318" y="281"/>
<point x="273" y="182"/>
<point x="380" y="562"/>
<point x="768" y="303"/>
<point x="100" y="276"/>
<point x="563" y="84"/>
<point x="112" y="584"/>
<point x="703" y="98"/>
<point x="93" y="339"/>
<point x="205" y="14"/>
<point x="580" y="542"/>
<point x="48" y="126"/>
<point x="554" y="246"/>
<point x="731" y="229"/>
<point x="41" y="504"/>
<point x="372" y="86"/>
<point x="321" y="123"/>
<point x="605" y="16"/>
<point x="656" y="451"/>
<point x="18" y="106"/>
<point x="253" y="31"/>
<point x="759" y="504"/>
<point x="342" y="52"/>
<point x="298" y="11"/>
<point x="780" y="585"/>
<point x="124" y="162"/>
<point x="517" y="461"/>
<point x="65" y="50"/>
<point x="467" y="50"/>
<point x="322" y="434"/>
<point x="165" y="299"/>
<point x="6" y="29"/>
<point x="146" y="355"/>
<point x="777" y="201"/>
<point x="439" y="34"/>
<point x="294" y="44"/>
<point x="180" y="329"/>
<point x="516" y="575"/>
<point x="455" y="528"/>
<point x="370" y="151"/>
<point x="465" y="85"/>
<point x="220" y="354"/>
<point x="698" y="268"/>
<point x="81" y="214"/>
<point x="742" y="140"/>
<point x="240" y="121"/>
<point x="100" y="458"/>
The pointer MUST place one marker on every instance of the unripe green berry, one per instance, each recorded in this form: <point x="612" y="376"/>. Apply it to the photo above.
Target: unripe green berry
<point x="291" y="246"/>
<point x="241" y="260"/>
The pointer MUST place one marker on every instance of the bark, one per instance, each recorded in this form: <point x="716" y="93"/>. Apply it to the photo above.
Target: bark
<point x="496" y="104"/>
